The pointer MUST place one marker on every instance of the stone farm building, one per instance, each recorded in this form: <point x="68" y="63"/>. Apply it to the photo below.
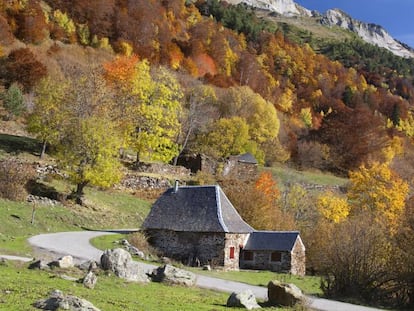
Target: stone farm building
<point x="198" y="225"/>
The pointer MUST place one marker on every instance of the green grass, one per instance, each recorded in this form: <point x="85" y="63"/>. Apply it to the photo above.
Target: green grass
<point x="105" y="210"/>
<point x="16" y="226"/>
<point x="107" y="241"/>
<point x="287" y="175"/>
<point x="110" y="293"/>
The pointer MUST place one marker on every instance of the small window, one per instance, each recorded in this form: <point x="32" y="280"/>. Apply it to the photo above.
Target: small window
<point x="247" y="255"/>
<point x="276" y="257"/>
<point x="232" y="252"/>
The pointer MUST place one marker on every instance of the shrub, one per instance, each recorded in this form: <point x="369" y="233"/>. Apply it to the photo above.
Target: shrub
<point x="14" y="176"/>
<point x="23" y="67"/>
<point x="361" y="261"/>
<point x="13" y="101"/>
<point x="140" y="241"/>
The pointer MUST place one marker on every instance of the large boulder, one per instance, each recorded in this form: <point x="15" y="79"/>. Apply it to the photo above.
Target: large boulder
<point x="245" y="299"/>
<point x="59" y="301"/>
<point x="172" y="275"/>
<point x="283" y="294"/>
<point x="120" y="262"/>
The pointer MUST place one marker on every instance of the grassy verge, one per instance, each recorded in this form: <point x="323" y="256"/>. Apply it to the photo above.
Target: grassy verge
<point x="109" y="294"/>
<point x="107" y="241"/>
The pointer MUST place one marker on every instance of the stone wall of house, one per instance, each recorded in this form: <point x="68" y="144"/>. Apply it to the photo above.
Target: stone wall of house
<point x="234" y="169"/>
<point x="261" y="261"/>
<point x="163" y="169"/>
<point x="298" y="258"/>
<point x="236" y="241"/>
<point x="190" y="248"/>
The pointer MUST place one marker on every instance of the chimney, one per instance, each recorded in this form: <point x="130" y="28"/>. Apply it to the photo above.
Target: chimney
<point x="176" y="186"/>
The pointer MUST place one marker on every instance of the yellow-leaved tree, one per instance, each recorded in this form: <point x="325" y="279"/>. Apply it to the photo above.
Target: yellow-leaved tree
<point x="333" y="207"/>
<point x="148" y="107"/>
<point x="89" y="154"/>
<point x="47" y="115"/>
<point x="377" y="188"/>
<point x="226" y="137"/>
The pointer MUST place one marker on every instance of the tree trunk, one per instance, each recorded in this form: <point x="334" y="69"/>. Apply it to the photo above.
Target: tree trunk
<point x="77" y="195"/>
<point x="184" y="145"/>
<point x="43" y="152"/>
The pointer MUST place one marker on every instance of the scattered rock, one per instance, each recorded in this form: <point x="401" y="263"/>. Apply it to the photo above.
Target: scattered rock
<point x="68" y="278"/>
<point x="166" y="260"/>
<point x="172" y="275"/>
<point x="119" y="261"/>
<point x="41" y="200"/>
<point x="133" y="181"/>
<point x="282" y="294"/>
<point x="63" y="262"/>
<point x="207" y="267"/>
<point x="90" y="265"/>
<point x="245" y="299"/>
<point x="39" y="264"/>
<point x="59" y="301"/>
<point x="124" y="242"/>
<point x="135" y="251"/>
<point x="89" y="281"/>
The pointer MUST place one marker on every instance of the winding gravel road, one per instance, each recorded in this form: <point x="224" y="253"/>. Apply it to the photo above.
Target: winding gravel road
<point x="77" y="245"/>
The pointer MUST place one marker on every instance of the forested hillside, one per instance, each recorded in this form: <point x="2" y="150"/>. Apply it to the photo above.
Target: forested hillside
<point x="93" y="79"/>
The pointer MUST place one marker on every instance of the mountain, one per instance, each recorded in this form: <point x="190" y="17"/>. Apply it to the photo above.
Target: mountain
<point x="284" y="7"/>
<point x="370" y="33"/>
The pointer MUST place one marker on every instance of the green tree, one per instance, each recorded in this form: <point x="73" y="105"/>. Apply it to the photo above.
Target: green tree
<point x="259" y="114"/>
<point x="13" y="101"/>
<point x="47" y="116"/>
<point x="227" y="137"/>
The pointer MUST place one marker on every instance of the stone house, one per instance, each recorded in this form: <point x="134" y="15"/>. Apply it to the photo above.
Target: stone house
<point x="281" y="251"/>
<point x="243" y="166"/>
<point x="198" y="225"/>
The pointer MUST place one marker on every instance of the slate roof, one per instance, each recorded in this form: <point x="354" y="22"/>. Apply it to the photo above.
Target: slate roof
<point x="247" y="158"/>
<point x="195" y="209"/>
<point x="271" y="240"/>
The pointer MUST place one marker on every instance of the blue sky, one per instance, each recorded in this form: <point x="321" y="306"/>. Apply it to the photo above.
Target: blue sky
<point x="396" y="16"/>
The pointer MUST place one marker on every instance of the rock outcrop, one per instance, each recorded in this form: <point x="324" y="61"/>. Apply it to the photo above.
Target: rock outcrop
<point x="371" y="33"/>
<point x="284" y="7"/>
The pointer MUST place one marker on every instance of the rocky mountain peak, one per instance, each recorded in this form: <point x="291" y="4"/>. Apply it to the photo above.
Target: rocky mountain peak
<point x="371" y="33"/>
<point x="287" y="8"/>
